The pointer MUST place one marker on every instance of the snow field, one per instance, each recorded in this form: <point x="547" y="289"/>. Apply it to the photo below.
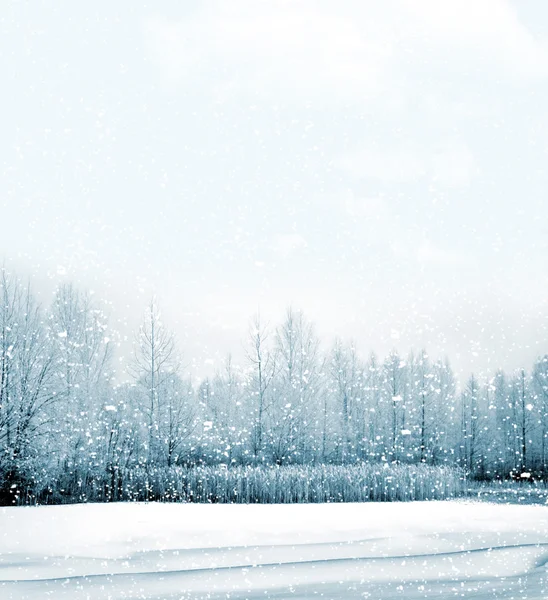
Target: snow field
<point x="372" y="550"/>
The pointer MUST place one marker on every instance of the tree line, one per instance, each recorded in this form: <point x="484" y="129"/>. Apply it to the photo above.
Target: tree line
<point x="290" y="402"/>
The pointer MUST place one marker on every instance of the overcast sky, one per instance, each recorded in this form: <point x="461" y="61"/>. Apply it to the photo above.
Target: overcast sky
<point x="381" y="165"/>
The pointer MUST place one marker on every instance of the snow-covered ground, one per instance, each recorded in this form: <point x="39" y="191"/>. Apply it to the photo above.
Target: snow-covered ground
<point x="173" y="551"/>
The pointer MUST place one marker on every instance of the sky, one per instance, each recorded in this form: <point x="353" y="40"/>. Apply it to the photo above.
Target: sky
<point x="379" y="165"/>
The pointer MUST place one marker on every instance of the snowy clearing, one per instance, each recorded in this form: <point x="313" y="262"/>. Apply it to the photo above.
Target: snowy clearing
<point x="163" y="551"/>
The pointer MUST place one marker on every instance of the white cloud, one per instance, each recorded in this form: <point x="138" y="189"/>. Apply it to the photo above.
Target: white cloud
<point x="285" y="245"/>
<point x="316" y="51"/>
<point x="359" y="206"/>
<point x="490" y="29"/>
<point x="449" y="163"/>
<point x="430" y="253"/>
<point x="390" y="164"/>
<point x="263" y="48"/>
<point x="452" y="164"/>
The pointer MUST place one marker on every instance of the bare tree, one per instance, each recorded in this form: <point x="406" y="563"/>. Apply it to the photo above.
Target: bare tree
<point x="177" y="417"/>
<point x="540" y="385"/>
<point x="120" y="439"/>
<point x="263" y="364"/>
<point x="470" y="425"/>
<point x="443" y="413"/>
<point x="83" y="366"/>
<point x="423" y="385"/>
<point x="373" y="391"/>
<point x="155" y="362"/>
<point x="346" y="373"/>
<point x="297" y="380"/>
<point x="228" y="414"/>
<point x="524" y="420"/>
<point x="27" y="393"/>
<point x="394" y="381"/>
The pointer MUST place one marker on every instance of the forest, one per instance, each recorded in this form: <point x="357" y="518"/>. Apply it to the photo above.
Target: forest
<point x="73" y="428"/>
